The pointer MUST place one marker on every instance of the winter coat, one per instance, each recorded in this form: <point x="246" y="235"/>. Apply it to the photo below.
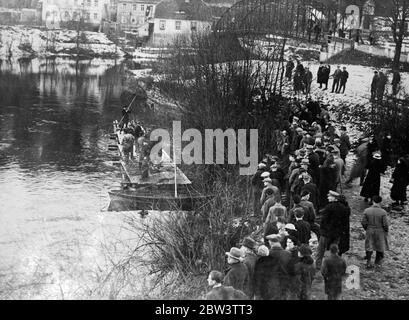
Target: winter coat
<point x="293" y="289"/>
<point x="327" y="72"/>
<point x="360" y="164"/>
<point x="400" y="178"/>
<point x="288" y="69"/>
<point x="267" y="278"/>
<point x="237" y="276"/>
<point x="281" y="270"/>
<point x="375" y="222"/>
<point x="333" y="219"/>
<point x="277" y="210"/>
<point x="345" y="145"/>
<point x="303" y="231"/>
<point x="320" y="75"/>
<point x="344" y="240"/>
<point x="276" y="194"/>
<point x="283" y="144"/>
<point x="344" y="76"/>
<point x="225" y="293"/>
<point x="314" y="159"/>
<point x="328" y="178"/>
<point x="321" y="154"/>
<point x="270" y="201"/>
<point x="309" y="215"/>
<point x="250" y="261"/>
<point x="314" y="194"/>
<point x="333" y="269"/>
<point x="308" y="78"/>
<point x="372" y="182"/>
<point x="305" y="269"/>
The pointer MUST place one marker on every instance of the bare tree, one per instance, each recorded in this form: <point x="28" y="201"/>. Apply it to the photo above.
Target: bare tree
<point x="399" y="18"/>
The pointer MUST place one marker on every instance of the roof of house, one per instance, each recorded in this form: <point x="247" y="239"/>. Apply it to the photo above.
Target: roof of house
<point x="183" y="10"/>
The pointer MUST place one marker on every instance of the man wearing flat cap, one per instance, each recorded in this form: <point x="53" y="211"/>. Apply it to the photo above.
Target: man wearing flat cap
<point x="331" y="227"/>
<point x="237" y="274"/>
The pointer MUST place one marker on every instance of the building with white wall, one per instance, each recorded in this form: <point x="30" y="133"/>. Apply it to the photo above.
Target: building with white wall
<point x="180" y="18"/>
<point x="55" y="12"/>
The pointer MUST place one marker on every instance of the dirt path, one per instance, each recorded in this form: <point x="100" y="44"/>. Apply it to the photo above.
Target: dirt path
<point x="391" y="281"/>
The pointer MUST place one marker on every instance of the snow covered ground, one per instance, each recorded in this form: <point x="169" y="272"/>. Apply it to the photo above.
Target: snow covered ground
<point x="25" y="42"/>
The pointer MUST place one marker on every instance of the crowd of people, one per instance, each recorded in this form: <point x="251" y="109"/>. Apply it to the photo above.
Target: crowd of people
<point x="298" y="192"/>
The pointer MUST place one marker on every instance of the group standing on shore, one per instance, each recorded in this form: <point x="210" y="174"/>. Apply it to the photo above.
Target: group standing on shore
<point x="298" y="192"/>
<point x="303" y="77"/>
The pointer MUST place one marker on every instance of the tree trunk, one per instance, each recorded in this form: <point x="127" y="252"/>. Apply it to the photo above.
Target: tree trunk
<point x="398" y="51"/>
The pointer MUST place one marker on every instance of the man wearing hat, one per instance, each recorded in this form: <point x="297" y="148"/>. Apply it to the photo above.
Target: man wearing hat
<point x="257" y="186"/>
<point x="372" y="183"/>
<point x="265" y="280"/>
<point x="313" y="190"/>
<point x="331" y="227"/>
<point x="237" y="274"/>
<point x="305" y="269"/>
<point x="250" y="259"/>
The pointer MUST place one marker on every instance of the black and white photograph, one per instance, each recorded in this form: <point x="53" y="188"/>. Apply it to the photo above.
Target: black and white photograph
<point x="202" y="150"/>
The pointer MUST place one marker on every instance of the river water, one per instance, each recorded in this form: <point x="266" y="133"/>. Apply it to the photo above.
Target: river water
<point x="55" y="171"/>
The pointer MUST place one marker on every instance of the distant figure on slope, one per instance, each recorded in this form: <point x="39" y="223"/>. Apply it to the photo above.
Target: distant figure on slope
<point x="374" y="86"/>
<point x="125" y="117"/>
<point x="289" y="69"/>
<point x="343" y="80"/>
<point x="337" y="77"/>
<point x="383" y="80"/>
<point x="307" y="80"/>
<point x="320" y="74"/>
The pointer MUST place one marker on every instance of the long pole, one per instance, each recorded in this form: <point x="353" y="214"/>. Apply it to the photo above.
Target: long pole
<point x="174" y="162"/>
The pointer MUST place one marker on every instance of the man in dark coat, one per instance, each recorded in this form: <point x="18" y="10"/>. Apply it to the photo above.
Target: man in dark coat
<point x="400" y="180"/>
<point x="289" y="69"/>
<point x="305" y="269"/>
<point x="309" y="212"/>
<point x="333" y="269"/>
<point x="328" y="179"/>
<point x="372" y="182"/>
<point x="125" y="117"/>
<point x="343" y="80"/>
<point x="250" y="259"/>
<point x="303" y="227"/>
<point x="237" y="275"/>
<point x="336" y="78"/>
<point x="281" y="268"/>
<point x="326" y="75"/>
<point x="220" y="292"/>
<point x="374" y="85"/>
<point x="376" y="225"/>
<point x="345" y="145"/>
<point x="383" y="80"/>
<point x="331" y="226"/>
<point x="320" y="74"/>
<point x="312" y="190"/>
<point x="307" y="80"/>
<point x="266" y="282"/>
<point x="314" y="160"/>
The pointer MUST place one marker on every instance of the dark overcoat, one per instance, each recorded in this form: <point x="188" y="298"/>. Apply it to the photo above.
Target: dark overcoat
<point x="237" y="276"/>
<point x="372" y="182"/>
<point x="400" y="178"/>
<point x="333" y="269"/>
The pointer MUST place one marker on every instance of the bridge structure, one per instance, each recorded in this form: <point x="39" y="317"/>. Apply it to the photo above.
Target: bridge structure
<point x="310" y="21"/>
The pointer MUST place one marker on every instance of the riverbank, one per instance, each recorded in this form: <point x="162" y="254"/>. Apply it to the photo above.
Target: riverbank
<point x="18" y="42"/>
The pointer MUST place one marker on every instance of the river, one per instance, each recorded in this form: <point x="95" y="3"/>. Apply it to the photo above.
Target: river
<point x="55" y="233"/>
